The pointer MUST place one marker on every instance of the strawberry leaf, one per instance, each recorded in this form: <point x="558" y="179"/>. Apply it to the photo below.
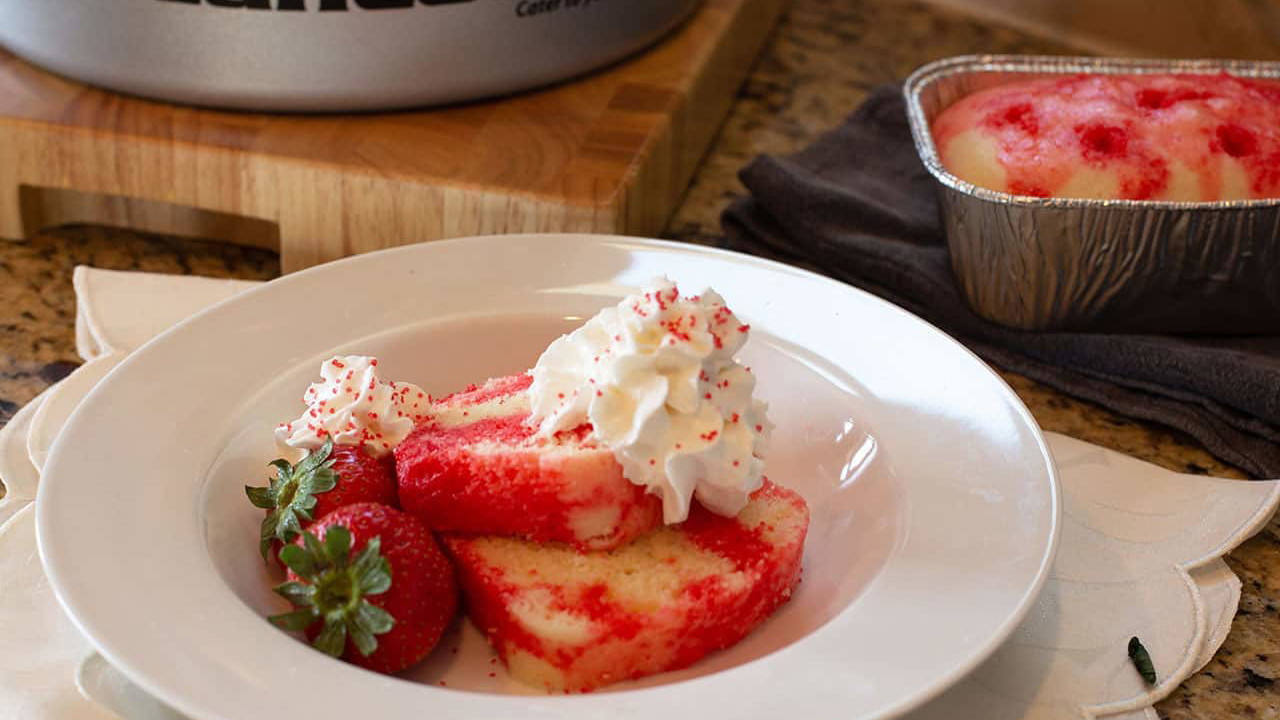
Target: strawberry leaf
<point x="289" y="497"/>
<point x="287" y="525"/>
<point x="323" y="480"/>
<point x="364" y="641"/>
<point x="267" y="534"/>
<point x="337" y="543"/>
<point x="315" y="549"/>
<point x="373" y="619"/>
<point x="332" y="588"/>
<point x="300" y="594"/>
<point x="313" y="461"/>
<point x="301" y="562"/>
<point x="260" y="497"/>
<point x="366" y="623"/>
<point x="295" y="621"/>
<point x="373" y="572"/>
<point x="332" y="639"/>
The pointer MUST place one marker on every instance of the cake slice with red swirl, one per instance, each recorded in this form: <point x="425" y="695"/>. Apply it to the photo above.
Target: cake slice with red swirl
<point x="572" y="621"/>
<point x="608" y="512"/>
<point x="477" y="465"/>
<point x="620" y="426"/>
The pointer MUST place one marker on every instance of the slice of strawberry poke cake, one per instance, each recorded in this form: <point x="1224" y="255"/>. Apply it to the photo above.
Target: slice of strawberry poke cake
<point x="478" y="465"/>
<point x="606" y="513"/>
<point x="573" y="621"/>
<point x="636" y="440"/>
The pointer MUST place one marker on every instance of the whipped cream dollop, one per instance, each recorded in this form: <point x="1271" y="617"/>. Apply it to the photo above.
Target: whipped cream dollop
<point x="354" y="406"/>
<point x="656" y="378"/>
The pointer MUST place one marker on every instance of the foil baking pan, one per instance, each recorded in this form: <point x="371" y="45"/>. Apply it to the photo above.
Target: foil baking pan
<point x="1115" y="265"/>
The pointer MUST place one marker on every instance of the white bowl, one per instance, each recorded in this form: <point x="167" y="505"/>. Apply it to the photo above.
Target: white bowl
<point x="934" y="500"/>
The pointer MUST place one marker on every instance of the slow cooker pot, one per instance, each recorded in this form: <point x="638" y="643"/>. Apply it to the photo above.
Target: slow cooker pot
<point x="328" y="55"/>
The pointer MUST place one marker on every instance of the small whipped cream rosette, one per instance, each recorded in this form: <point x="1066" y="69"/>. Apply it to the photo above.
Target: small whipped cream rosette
<point x="354" y="406"/>
<point x="656" y="378"/>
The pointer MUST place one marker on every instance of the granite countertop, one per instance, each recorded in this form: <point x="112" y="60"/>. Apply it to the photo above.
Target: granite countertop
<point x="821" y="61"/>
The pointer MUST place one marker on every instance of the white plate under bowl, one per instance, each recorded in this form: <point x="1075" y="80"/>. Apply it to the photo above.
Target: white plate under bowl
<point x="934" y="499"/>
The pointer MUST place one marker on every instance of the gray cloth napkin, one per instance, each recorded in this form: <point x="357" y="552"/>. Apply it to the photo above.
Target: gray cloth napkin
<point x="859" y="206"/>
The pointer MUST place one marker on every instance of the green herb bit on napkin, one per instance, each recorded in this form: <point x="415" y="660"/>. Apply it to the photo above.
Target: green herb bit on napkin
<point x="1142" y="661"/>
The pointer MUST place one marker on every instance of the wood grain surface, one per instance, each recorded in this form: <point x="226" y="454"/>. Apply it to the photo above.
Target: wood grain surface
<point x="610" y="152"/>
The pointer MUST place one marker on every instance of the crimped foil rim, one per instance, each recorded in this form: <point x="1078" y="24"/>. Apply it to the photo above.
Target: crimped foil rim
<point x="1065" y="65"/>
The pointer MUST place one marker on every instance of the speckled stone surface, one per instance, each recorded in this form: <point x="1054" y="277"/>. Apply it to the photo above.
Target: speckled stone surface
<point x="822" y="59"/>
<point x="37" y="303"/>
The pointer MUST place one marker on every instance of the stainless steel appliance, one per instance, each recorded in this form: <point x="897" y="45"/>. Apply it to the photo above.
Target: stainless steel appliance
<point x="329" y="55"/>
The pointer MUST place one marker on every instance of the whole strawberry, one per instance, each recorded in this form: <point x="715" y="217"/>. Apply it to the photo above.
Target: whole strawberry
<point x="370" y="585"/>
<point x="323" y="481"/>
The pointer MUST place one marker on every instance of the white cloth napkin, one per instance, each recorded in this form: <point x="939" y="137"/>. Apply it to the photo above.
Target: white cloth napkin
<point x="1139" y="555"/>
<point x="119" y="311"/>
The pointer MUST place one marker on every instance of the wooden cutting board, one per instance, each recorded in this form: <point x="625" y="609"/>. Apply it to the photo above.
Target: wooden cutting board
<point x="611" y="152"/>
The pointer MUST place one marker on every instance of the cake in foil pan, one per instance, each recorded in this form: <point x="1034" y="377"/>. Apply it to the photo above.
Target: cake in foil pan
<point x="1039" y="250"/>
